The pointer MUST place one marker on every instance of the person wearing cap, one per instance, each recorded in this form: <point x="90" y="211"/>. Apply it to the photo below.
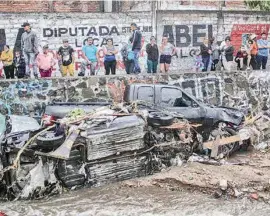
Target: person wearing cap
<point x="263" y="50"/>
<point x="66" y="56"/>
<point x="152" y="55"/>
<point x="136" y="41"/>
<point x="45" y="62"/>
<point x="29" y="48"/>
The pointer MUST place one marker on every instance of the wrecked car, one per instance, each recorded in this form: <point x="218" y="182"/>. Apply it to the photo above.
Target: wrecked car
<point x="108" y="149"/>
<point x="175" y="99"/>
<point x="15" y="131"/>
<point x="162" y="97"/>
<point x="99" y="144"/>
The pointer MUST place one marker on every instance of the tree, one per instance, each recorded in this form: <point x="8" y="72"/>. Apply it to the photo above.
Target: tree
<point x="263" y="5"/>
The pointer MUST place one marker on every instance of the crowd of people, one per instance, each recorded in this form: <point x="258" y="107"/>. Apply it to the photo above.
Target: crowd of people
<point x="29" y="62"/>
<point x="253" y="54"/>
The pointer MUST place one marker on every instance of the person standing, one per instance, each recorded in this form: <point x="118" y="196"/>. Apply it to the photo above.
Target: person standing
<point x="167" y="50"/>
<point x="110" y="51"/>
<point x="227" y="58"/>
<point x="90" y="57"/>
<point x="152" y="55"/>
<point x="7" y="59"/>
<point x="263" y="50"/>
<point x="45" y="62"/>
<point x="19" y="64"/>
<point x="253" y="51"/>
<point x="29" y="47"/>
<point x="128" y="58"/>
<point x="205" y="53"/>
<point x="136" y="41"/>
<point x="215" y="53"/>
<point x="66" y="55"/>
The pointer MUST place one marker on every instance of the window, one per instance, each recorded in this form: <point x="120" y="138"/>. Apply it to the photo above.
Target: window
<point x="169" y="95"/>
<point x="185" y="101"/>
<point x="146" y="93"/>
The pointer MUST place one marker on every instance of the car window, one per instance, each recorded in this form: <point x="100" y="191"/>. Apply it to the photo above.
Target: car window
<point x="146" y="93"/>
<point x="169" y="95"/>
<point x="185" y="101"/>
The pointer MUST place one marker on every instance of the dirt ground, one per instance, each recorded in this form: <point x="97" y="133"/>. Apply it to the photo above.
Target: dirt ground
<point x="245" y="174"/>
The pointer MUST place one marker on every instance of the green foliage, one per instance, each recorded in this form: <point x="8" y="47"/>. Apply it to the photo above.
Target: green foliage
<point x="74" y="114"/>
<point x="263" y="5"/>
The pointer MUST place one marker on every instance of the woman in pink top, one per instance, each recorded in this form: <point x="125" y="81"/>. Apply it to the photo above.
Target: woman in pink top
<point x="45" y="62"/>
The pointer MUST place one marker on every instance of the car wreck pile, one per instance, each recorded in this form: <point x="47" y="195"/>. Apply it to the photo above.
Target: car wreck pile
<point x="109" y="144"/>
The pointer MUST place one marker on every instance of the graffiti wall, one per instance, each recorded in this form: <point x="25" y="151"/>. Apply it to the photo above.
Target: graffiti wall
<point x="186" y="30"/>
<point x="53" y="28"/>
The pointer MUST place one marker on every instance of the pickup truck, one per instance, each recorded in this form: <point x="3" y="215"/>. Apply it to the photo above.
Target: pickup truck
<point x="175" y="99"/>
<point x="161" y="97"/>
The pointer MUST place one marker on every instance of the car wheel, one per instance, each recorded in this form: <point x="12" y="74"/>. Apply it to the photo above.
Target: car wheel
<point x="48" y="140"/>
<point x="159" y="119"/>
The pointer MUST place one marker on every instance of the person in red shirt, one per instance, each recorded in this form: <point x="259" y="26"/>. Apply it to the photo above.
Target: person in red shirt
<point x="241" y="58"/>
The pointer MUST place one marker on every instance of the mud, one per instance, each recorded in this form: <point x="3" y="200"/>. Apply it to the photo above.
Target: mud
<point x="245" y="174"/>
<point x="117" y="200"/>
<point x="192" y="189"/>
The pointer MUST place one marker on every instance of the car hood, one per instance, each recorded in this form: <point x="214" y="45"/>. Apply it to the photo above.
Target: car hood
<point x="23" y="123"/>
<point x="228" y="114"/>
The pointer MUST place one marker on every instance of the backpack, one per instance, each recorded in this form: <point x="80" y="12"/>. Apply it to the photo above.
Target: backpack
<point x="131" y="55"/>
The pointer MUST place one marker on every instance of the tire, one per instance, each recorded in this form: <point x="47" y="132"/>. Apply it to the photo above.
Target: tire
<point x="159" y="119"/>
<point x="48" y="140"/>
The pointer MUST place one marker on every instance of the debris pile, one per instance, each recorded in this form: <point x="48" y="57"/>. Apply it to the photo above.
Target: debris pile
<point x="109" y="144"/>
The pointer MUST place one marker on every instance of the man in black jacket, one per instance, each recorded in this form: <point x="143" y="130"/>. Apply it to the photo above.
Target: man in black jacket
<point x="205" y="53"/>
<point x="152" y="55"/>
<point x="136" y="41"/>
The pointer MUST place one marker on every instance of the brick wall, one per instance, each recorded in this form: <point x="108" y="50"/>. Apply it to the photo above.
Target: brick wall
<point x="62" y="6"/>
<point x="202" y="5"/>
<point x="49" y="6"/>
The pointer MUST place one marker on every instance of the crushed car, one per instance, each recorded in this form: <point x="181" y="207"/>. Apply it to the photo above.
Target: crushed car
<point x="93" y="144"/>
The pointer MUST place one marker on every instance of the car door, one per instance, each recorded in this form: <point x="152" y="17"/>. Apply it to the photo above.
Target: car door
<point x="177" y="101"/>
<point x="145" y="93"/>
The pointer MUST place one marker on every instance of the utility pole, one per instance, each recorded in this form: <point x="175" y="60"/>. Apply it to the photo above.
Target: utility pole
<point x="154" y="17"/>
<point x="108" y="6"/>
